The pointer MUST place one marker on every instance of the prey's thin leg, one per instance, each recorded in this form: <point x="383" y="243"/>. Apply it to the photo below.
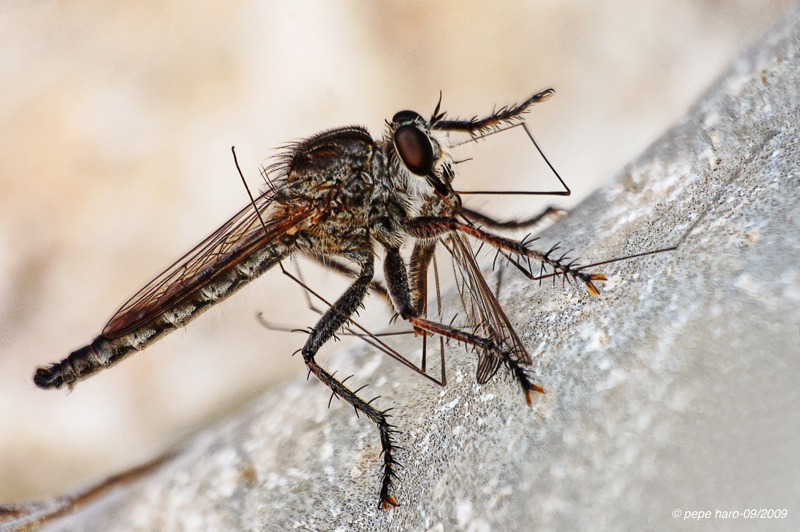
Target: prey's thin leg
<point x="343" y="269"/>
<point x="351" y="325"/>
<point x="488" y="221"/>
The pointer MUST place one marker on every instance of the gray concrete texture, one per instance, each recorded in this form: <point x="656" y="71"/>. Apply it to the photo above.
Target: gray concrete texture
<point x="673" y="391"/>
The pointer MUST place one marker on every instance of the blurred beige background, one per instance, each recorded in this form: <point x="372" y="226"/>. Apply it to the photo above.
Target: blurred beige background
<point x="116" y="123"/>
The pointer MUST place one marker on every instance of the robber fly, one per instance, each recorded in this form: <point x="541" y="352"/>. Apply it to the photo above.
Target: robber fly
<point x="343" y="194"/>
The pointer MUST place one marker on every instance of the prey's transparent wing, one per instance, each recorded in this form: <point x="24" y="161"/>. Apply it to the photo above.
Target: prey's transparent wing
<point x="483" y="309"/>
<point x="237" y="239"/>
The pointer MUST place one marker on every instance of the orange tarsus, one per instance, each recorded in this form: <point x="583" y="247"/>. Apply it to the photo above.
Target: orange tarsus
<point x="590" y="285"/>
<point x="529" y="396"/>
<point x="389" y="502"/>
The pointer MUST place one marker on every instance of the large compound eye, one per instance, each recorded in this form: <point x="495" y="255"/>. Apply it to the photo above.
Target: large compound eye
<point x="415" y="149"/>
<point x="402" y="117"/>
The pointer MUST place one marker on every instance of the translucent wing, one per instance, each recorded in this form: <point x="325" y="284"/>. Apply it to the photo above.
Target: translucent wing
<point x="236" y="240"/>
<point x="483" y="310"/>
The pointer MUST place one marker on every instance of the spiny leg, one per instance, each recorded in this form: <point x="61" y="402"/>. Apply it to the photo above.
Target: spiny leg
<point x="397" y="282"/>
<point x="488" y="221"/>
<point x="502" y="117"/>
<point x="431" y="227"/>
<point x="326" y="327"/>
<point x="351" y="328"/>
<point x="308" y="292"/>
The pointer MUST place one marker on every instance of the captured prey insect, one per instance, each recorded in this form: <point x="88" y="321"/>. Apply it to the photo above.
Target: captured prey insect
<point x="342" y="193"/>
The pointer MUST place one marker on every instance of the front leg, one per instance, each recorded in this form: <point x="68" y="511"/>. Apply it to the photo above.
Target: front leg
<point x="427" y="227"/>
<point x="326" y="327"/>
<point x="502" y="117"/>
<point x="397" y="282"/>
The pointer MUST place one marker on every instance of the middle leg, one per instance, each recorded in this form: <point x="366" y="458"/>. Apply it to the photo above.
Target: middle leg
<point x="397" y="283"/>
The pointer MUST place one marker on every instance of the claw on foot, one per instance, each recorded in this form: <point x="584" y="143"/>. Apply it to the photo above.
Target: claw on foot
<point x="389" y="502"/>
<point x="590" y="285"/>
<point x="529" y="393"/>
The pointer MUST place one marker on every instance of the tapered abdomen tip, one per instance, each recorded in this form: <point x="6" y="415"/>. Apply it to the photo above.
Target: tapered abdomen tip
<point x="49" y="377"/>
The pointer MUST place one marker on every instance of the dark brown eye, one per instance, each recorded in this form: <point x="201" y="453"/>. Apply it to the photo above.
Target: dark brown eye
<point x="414" y="148"/>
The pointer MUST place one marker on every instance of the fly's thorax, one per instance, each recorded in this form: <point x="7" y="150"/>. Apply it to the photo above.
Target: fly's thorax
<point x="330" y="166"/>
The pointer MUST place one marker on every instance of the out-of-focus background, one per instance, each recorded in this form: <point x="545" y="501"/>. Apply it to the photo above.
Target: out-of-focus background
<point x="116" y="123"/>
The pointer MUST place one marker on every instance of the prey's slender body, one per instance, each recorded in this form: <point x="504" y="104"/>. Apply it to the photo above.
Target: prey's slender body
<point x="342" y="193"/>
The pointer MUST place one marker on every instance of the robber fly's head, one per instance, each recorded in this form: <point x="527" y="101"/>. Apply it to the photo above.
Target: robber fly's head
<point x="419" y="152"/>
